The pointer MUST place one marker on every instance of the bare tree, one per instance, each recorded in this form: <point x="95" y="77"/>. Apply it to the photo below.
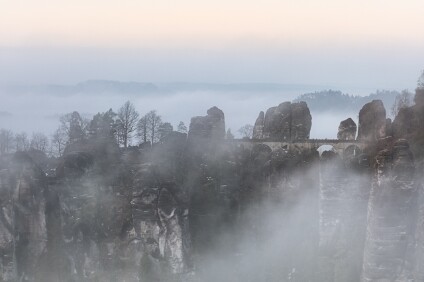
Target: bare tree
<point x="149" y="125"/>
<point x="127" y="122"/>
<point x="182" y="127"/>
<point x="6" y="141"/>
<point x="402" y="100"/>
<point x="246" y="131"/>
<point x="58" y="142"/>
<point x="21" y="142"/>
<point x="142" y="129"/>
<point x="39" y="141"/>
<point x="154" y="122"/>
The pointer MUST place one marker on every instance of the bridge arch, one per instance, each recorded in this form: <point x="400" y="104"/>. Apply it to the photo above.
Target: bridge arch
<point x="325" y="148"/>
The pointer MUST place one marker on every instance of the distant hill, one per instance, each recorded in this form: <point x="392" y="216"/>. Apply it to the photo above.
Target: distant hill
<point x="336" y="101"/>
<point x="147" y="88"/>
<point x="319" y="101"/>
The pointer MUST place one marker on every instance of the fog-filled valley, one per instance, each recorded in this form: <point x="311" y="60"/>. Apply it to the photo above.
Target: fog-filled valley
<point x="38" y="108"/>
<point x="113" y="181"/>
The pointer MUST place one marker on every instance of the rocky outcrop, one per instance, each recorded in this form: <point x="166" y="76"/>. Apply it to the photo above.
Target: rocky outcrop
<point x="372" y="121"/>
<point x="391" y="217"/>
<point x="211" y="127"/>
<point x="257" y="211"/>
<point x="286" y="122"/>
<point x="258" y="128"/>
<point x="7" y="236"/>
<point x="277" y="122"/>
<point x="409" y="122"/>
<point x="405" y="123"/>
<point x="347" y="130"/>
<point x="343" y="198"/>
<point x="419" y="248"/>
<point x="23" y="232"/>
<point x="301" y="121"/>
<point x="160" y="227"/>
<point x="419" y="96"/>
<point x="389" y="129"/>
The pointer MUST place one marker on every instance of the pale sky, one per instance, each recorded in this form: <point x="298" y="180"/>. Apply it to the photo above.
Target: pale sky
<point x="218" y="23"/>
<point x="352" y="42"/>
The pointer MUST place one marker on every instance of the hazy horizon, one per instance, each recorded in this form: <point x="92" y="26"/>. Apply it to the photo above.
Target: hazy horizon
<point x="356" y="46"/>
<point x="349" y="43"/>
<point x="39" y="109"/>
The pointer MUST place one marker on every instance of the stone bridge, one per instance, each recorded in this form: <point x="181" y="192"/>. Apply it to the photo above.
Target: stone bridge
<point x="341" y="147"/>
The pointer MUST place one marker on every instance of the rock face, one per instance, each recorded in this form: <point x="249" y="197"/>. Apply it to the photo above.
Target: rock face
<point x="258" y="128"/>
<point x="347" y="130"/>
<point x="391" y="220"/>
<point x="372" y="121"/>
<point x="286" y="122"/>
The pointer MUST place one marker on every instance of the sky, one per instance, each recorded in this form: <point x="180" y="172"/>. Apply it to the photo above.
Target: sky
<point x="352" y="42"/>
<point x="355" y="46"/>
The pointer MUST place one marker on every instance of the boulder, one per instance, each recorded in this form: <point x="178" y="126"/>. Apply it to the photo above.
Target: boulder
<point x="347" y="130"/>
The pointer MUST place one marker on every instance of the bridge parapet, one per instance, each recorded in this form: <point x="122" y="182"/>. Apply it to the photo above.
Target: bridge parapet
<point x="340" y="146"/>
<point x="295" y="141"/>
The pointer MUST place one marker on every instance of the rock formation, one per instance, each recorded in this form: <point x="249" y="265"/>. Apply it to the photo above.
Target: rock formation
<point x="347" y="130"/>
<point x="389" y="128"/>
<point x="391" y="217"/>
<point x="277" y="122"/>
<point x="210" y="127"/>
<point x="286" y="122"/>
<point x="191" y="204"/>
<point x="23" y="232"/>
<point x="409" y="122"/>
<point x="343" y="199"/>
<point x="301" y="121"/>
<point x="372" y="121"/>
<point x="258" y="128"/>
